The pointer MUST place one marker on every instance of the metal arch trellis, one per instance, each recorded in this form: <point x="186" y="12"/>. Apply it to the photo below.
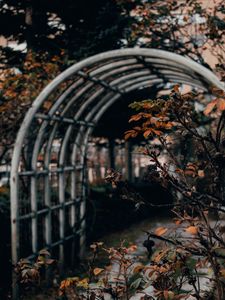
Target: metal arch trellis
<point x="76" y="100"/>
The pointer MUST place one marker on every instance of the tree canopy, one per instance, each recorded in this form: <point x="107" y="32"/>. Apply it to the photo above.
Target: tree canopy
<point x="51" y="35"/>
<point x="80" y="27"/>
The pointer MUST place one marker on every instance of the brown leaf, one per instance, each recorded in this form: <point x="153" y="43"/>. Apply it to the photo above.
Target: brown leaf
<point x="135" y="118"/>
<point x="176" y="88"/>
<point x="178" y="221"/>
<point x="138" y="269"/>
<point x="160" y="231"/>
<point x="147" y="132"/>
<point x="160" y="255"/>
<point x="130" y="134"/>
<point x="192" y="230"/>
<point x="168" y="295"/>
<point x="157" y="132"/>
<point x="209" y="108"/>
<point x="218" y="92"/>
<point x="221" y="104"/>
<point x="98" y="271"/>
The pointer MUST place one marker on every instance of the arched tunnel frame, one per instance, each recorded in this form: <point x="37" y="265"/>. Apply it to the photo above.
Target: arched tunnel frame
<point x="71" y="105"/>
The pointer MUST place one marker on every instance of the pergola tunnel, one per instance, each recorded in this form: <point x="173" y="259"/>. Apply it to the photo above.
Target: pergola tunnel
<point x="49" y="174"/>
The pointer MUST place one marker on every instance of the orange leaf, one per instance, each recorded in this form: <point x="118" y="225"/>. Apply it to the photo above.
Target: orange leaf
<point x="160" y="255"/>
<point x="192" y="229"/>
<point x="178" y="222"/>
<point x="135" y="118"/>
<point x="160" y="231"/>
<point x="176" y="88"/>
<point x="97" y="271"/>
<point x="130" y="134"/>
<point x="157" y="132"/>
<point x="221" y="104"/>
<point x="147" y="132"/>
<point x="210" y="107"/>
<point x="222" y="272"/>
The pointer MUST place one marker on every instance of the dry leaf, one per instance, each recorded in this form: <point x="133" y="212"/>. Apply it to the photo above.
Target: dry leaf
<point x="97" y="271"/>
<point x="160" y="255"/>
<point x="83" y="283"/>
<point x="218" y="91"/>
<point x="176" y="88"/>
<point x="192" y="229"/>
<point x="138" y="269"/>
<point x="177" y="221"/>
<point x="221" y="104"/>
<point x="135" y="118"/>
<point x="147" y="132"/>
<point x="168" y="295"/>
<point x="132" y="248"/>
<point x="210" y="107"/>
<point x="160" y="231"/>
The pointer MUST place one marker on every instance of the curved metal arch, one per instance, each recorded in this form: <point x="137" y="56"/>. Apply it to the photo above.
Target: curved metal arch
<point x="152" y="79"/>
<point x="177" y="59"/>
<point x="100" y="81"/>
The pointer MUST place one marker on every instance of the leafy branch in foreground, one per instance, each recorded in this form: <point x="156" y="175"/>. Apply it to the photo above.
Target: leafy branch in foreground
<point x="189" y="132"/>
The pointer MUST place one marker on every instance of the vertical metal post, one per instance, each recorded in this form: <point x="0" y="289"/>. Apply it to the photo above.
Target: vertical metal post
<point x="61" y="216"/>
<point x="47" y="191"/>
<point x="83" y="203"/>
<point x="34" y="221"/>
<point x="15" y="238"/>
<point x="73" y="213"/>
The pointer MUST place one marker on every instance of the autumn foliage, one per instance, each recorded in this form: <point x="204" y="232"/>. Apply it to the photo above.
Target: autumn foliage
<point x="189" y="130"/>
<point x="19" y="88"/>
<point x="192" y="249"/>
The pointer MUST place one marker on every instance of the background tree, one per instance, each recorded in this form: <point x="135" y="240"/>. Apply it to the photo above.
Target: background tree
<point x="43" y="38"/>
<point x="81" y="27"/>
<point x="64" y="32"/>
<point x="194" y="28"/>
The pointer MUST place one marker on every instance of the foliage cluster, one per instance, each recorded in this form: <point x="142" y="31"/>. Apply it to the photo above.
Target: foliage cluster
<point x="45" y="28"/>
<point x="28" y="272"/>
<point x="189" y="130"/>
<point x="81" y="27"/>
<point x="196" y="177"/>
<point x="19" y="87"/>
<point x="192" y="28"/>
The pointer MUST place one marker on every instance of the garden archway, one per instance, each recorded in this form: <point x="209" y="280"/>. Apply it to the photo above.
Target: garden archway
<point x="48" y="187"/>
